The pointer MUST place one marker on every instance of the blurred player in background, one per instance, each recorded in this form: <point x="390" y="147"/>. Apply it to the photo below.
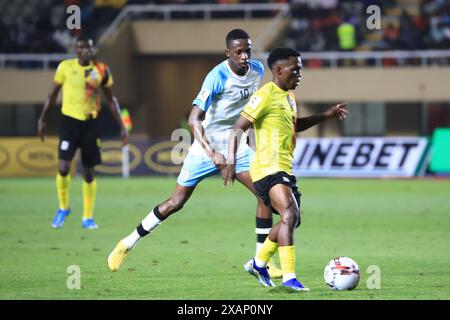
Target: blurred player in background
<point x="272" y="112"/>
<point x="224" y="93"/>
<point x="80" y="79"/>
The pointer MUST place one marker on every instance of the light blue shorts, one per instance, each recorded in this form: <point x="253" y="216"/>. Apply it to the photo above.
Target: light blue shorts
<point x="196" y="168"/>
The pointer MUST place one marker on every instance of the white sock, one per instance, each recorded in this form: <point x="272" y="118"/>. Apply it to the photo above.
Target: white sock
<point x="259" y="263"/>
<point x="131" y="240"/>
<point x="149" y="224"/>
<point x="258" y="247"/>
<point x="288" y="276"/>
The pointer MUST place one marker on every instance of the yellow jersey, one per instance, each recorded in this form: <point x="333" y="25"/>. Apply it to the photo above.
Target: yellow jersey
<point x="80" y="84"/>
<point x="273" y="113"/>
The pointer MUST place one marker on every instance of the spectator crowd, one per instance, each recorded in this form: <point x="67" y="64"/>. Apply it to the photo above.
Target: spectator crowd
<point x="316" y="25"/>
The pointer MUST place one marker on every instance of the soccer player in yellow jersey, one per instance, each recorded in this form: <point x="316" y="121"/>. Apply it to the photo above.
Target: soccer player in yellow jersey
<point x="272" y="112"/>
<point x="225" y="91"/>
<point x="80" y="78"/>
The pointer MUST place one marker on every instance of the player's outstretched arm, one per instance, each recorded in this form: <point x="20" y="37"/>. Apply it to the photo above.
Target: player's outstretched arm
<point x="337" y="111"/>
<point x="242" y="124"/>
<point x="115" y="110"/>
<point x="195" y="123"/>
<point x="49" y="103"/>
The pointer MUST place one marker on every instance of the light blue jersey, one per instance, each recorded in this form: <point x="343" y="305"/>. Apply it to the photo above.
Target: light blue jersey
<point x="223" y="96"/>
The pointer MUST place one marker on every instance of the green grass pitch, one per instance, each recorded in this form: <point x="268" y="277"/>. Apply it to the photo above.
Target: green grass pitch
<point x="400" y="226"/>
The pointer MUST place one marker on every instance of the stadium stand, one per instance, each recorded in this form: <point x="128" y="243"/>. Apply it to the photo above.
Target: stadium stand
<point x="145" y="73"/>
<point x="40" y="26"/>
<point x="406" y="25"/>
<point x="27" y="26"/>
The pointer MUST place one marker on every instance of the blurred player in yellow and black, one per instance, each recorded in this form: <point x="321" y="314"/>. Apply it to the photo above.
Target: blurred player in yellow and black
<point x="272" y="112"/>
<point x="80" y="78"/>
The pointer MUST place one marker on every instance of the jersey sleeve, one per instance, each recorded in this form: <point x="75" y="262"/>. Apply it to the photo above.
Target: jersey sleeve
<point x="212" y="86"/>
<point x="256" y="107"/>
<point x="259" y="67"/>
<point x="60" y="73"/>
<point x="107" y="78"/>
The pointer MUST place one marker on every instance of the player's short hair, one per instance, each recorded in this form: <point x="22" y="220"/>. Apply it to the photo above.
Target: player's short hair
<point x="281" y="54"/>
<point x="236" y="34"/>
<point x="85" y="37"/>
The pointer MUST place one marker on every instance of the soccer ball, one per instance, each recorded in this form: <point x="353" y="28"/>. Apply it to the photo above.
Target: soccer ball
<point x="341" y="273"/>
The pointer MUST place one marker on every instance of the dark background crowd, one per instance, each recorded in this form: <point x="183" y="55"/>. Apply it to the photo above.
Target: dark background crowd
<point x="317" y="25"/>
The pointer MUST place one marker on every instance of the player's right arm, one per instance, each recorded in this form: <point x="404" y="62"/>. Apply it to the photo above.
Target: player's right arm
<point x="195" y="123"/>
<point x="58" y="81"/>
<point x="49" y="103"/>
<point x="242" y="124"/>
<point x="212" y="86"/>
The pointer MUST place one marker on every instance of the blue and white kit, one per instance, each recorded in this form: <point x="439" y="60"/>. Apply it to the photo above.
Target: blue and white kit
<point x="223" y="96"/>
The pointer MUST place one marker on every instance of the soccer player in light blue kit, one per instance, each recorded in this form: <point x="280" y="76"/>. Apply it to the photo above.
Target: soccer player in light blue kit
<point x="222" y="97"/>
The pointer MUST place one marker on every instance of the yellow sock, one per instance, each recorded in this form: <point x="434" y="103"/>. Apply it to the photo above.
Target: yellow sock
<point x="62" y="190"/>
<point x="267" y="250"/>
<point x="89" y="193"/>
<point x="287" y="259"/>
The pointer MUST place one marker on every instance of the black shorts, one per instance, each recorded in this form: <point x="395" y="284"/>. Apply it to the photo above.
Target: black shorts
<point x="76" y="134"/>
<point x="265" y="184"/>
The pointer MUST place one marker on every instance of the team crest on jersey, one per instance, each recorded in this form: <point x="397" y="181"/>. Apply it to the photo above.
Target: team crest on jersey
<point x="92" y="77"/>
<point x="254" y="102"/>
<point x="204" y="94"/>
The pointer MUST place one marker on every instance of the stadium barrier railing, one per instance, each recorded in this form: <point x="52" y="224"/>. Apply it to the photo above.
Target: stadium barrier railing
<point x="32" y="60"/>
<point x="330" y="59"/>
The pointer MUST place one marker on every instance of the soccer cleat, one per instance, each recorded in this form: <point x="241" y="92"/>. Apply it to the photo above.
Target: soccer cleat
<point x="58" y="220"/>
<point x="261" y="274"/>
<point x="117" y="256"/>
<point x="274" y="271"/>
<point x="89" y="224"/>
<point x="295" y="285"/>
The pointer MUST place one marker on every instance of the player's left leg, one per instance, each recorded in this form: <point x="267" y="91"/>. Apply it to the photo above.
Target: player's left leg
<point x="63" y="180"/>
<point x="284" y="201"/>
<point x="263" y="213"/>
<point x="195" y="169"/>
<point x="89" y="188"/>
<point x="68" y="145"/>
<point x="90" y="157"/>
<point x="263" y="222"/>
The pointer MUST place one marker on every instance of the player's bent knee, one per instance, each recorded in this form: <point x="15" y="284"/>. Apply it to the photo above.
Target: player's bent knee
<point x="175" y="205"/>
<point x="63" y="171"/>
<point x="89" y="177"/>
<point x="88" y="174"/>
<point x="64" y="167"/>
<point x="291" y="218"/>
